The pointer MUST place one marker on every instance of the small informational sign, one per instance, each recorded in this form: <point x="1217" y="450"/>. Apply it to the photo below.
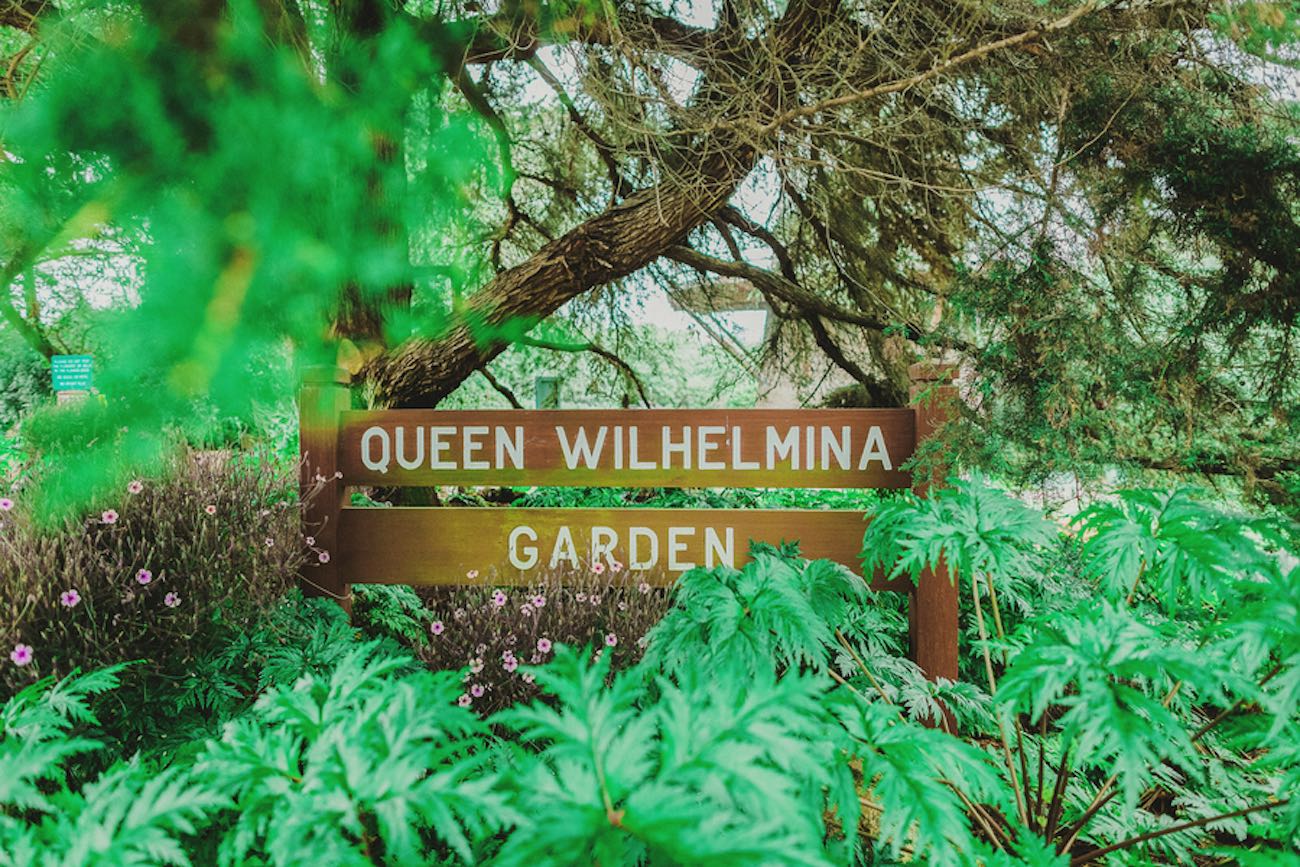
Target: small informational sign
<point x="72" y="372"/>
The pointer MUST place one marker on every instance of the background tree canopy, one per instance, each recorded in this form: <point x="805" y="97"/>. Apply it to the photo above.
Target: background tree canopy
<point x="1093" y="203"/>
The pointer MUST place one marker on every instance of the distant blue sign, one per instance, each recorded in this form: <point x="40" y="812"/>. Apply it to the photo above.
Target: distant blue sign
<point x="72" y="372"/>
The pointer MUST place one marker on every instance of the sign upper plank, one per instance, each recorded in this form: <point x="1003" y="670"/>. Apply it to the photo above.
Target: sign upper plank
<point x="811" y="448"/>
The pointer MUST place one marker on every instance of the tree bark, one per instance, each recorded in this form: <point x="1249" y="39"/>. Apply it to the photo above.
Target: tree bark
<point x="616" y="243"/>
<point x="611" y="245"/>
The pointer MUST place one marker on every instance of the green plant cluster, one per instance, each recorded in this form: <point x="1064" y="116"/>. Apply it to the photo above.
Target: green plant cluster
<point x="1148" y="718"/>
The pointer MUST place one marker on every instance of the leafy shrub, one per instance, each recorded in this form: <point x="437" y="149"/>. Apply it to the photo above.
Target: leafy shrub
<point x="153" y="575"/>
<point x="758" y="727"/>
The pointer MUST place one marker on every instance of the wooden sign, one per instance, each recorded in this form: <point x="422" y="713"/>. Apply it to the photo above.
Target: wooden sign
<point x="822" y="448"/>
<point x="441" y="546"/>
<point x="752" y="448"/>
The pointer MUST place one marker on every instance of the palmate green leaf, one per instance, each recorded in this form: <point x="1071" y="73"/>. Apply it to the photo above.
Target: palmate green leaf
<point x="911" y="770"/>
<point x="1168" y="541"/>
<point x="777" y="611"/>
<point x="975" y="527"/>
<point x="1111" y="672"/>
<point x="318" y="767"/>
<point x="131" y="815"/>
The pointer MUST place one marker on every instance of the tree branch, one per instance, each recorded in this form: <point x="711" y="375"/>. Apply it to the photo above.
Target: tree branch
<point x="613" y="359"/>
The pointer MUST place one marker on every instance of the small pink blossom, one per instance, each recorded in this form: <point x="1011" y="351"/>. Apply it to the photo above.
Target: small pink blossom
<point x="210" y="509"/>
<point x="135" y="486"/>
<point x="611" y="640"/>
<point x="510" y="665"/>
<point x="270" y="543"/>
<point x="643" y="587"/>
<point x="323" y="556"/>
<point x="476" y="690"/>
<point x="471" y="574"/>
<point x="475" y="665"/>
<point x="581" y="597"/>
<point x="598" y="568"/>
<point x="543" y="645"/>
<point x="70" y="598"/>
<point x="109" y="516"/>
<point x="499" y="599"/>
<point x="464" y="699"/>
<point x="144" y="576"/>
<point x="310" y="540"/>
<point x="616" y="567"/>
<point x="525" y="609"/>
<point x="171" y="600"/>
<point x="21" y="654"/>
<point x="338" y="474"/>
<point x="436" y="627"/>
<point x="6" y="504"/>
<point x="538" y="601"/>
<point x="595" y="599"/>
<point x="528" y="678"/>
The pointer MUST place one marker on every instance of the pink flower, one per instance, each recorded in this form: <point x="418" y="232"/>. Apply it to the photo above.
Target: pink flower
<point x="471" y="574"/>
<point x="595" y="599"/>
<point x="22" y="654"/>
<point x="144" y="576"/>
<point x="525" y="610"/>
<point x="323" y="556"/>
<point x="6" y="503"/>
<point x="539" y="601"/>
<point x="616" y="566"/>
<point x="464" y="700"/>
<point x="475" y="665"/>
<point x="499" y="599"/>
<point x="476" y="690"/>
<point x="611" y="640"/>
<point x="436" y="627"/>
<point x="543" y="645"/>
<point x="528" y="678"/>
<point x="171" y="600"/>
<point x="135" y="486"/>
<point x="270" y="543"/>
<point x="598" y="568"/>
<point x="69" y="598"/>
<point x="643" y="587"/>
<point x="581" y="597"/>
<point x="510" y="664"/>
<point x="210" y="509"/>
<point x="310" y="540"/>
<point x="109" y="517"/>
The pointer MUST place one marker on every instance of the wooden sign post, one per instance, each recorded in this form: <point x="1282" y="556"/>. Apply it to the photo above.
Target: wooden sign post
<point x="820" y="448"/>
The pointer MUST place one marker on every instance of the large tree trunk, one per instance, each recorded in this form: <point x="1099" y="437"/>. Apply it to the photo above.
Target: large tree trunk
<point x="613" y="244"/>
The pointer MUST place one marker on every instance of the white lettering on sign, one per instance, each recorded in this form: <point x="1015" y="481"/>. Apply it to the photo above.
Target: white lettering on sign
<point x="379" y="464"/>
<point x="640" y="548"/>
<point x="529" y="558"/>
<point x="708" y="448"/>
<point x="589" y="453"/>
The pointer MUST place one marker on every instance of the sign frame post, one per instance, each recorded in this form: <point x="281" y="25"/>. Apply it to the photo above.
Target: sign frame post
<point x="324" y="396"/>
<point x="933" y="627"/>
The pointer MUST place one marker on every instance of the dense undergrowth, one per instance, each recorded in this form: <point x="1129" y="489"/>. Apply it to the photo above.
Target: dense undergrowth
<point x="1128" y="694"/>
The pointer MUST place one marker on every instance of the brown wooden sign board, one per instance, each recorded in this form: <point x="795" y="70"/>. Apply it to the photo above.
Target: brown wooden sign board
<point x="750" y="448"/>
<point x="448" y="546"/>
<point x="821" y="448"/>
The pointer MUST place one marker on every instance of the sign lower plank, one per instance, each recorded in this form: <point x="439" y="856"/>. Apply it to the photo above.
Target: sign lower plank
<point x="814" y="448"/>
<point x="443" y="546"/>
